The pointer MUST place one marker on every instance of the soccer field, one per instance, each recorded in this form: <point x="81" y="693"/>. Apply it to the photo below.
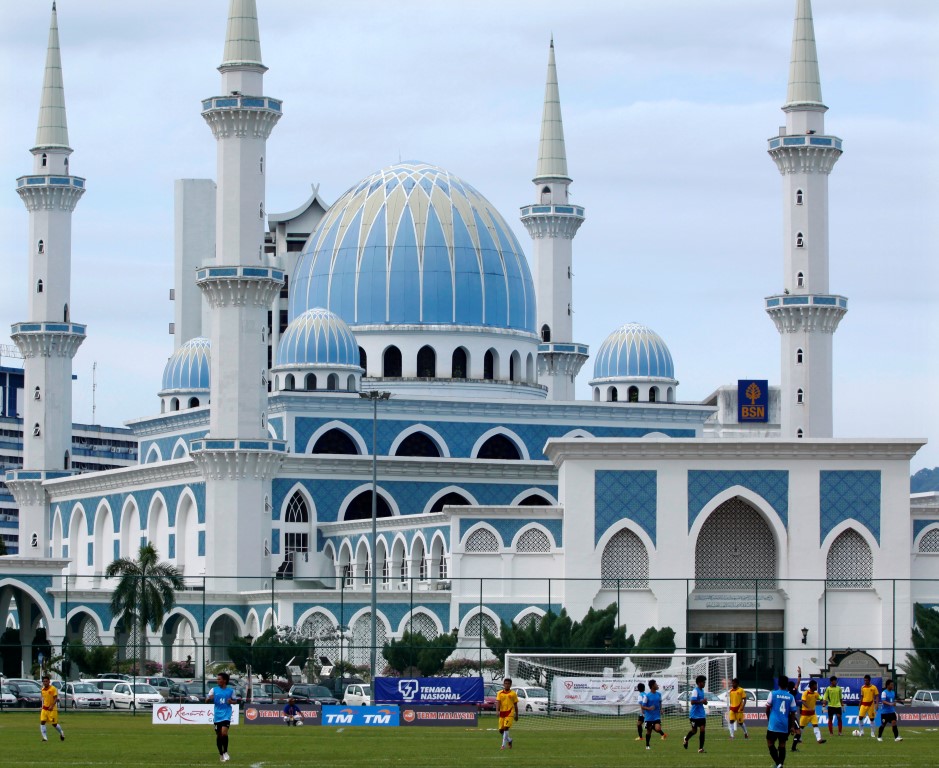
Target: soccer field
<point x="110" y="739"/>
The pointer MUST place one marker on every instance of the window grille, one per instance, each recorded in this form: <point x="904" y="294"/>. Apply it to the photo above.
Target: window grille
<point x="533" y="540"/>
<point x="488" y="625"/>
<point x="930" y="541"/>
<point x="361" y="650"/>
<point x="529" y="620"/>
<point x="90" y="634"/>
<point x="422" y="624"/>
<point x="297" y="511"/>
<point x="850" y="562"/>
<point x="442" y="567"/>
<point x="480" y="541"/>
<point x="735" y="548"/>
<point x="625" y="562"/>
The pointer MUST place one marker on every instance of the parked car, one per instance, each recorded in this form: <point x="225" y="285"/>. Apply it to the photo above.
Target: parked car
<point x="106" y="686"/>
<point x="7" y="696"/>
<point x="489" y="697"/>
<point x="185" y="693"/>
<point x="357" y="694"/>
<point x="162" y="684"/>
<point x="312" y="694"/>
<point x="27" y="692"/>
<point x="531" y="698"/>
<point x="113" y="676"/>
<point x="715" y="705"/>
<point x="81" y="695"/>
<point x="925" y="699"/>
<point x="134" y="696"/>
<point x="271" y="692"/>
<point x="756" y="697"/>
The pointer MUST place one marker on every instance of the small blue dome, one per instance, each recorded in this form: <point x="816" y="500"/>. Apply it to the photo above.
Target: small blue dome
<point x="414" y="245"/>
<point x="189" y="366"/>
<point x="633" y="351"/>
<point x="318" y="337"/>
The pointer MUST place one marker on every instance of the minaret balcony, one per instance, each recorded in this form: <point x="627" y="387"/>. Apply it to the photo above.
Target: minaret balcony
<point x="51" y="181"/>
<point x="46" y="339"/>
<point x="48" y="192"/>
<point x="552" y="220"/>
<point x="805" y="153"/>
<point x="806" y="312"/>
<point x="239" y="285"/>
<point x="241" y="116"/>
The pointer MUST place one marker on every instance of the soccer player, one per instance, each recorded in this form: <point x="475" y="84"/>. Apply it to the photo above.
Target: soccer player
<point x="698" y="714"/>
<point x="780" y="707"/>
<point x="652" y="712"/>
<point x="867" y="712"/>
<point x="222" y="697"/>
<point x="737" y="698"/>
<point x="507" y="706"/>
<point x="888" y="712"/>
<point x="794" y="728"/>
<point x="809" y="700"/>
<point x="831" y="700"/>
<point x="292" y="714"/>
<point x="50" y="709"/>
<point x="641" y="687"/>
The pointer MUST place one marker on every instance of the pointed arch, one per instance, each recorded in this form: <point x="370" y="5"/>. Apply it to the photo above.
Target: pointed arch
<point x="507" y="435"/>
<point x="624" y="562"/>
<point x="349" y="432"/>
<point x="180" y="449"/>
<point x="158" y="525"/>
<point x="533" y="538"/>
<point x="451" y="494"/>
<point x="103" y="537"/>
<point x="421" y="621"/>
<point x="186" y="529"/>
<point x="849" y="563"/>
<point x="153" y="454"/>
<point x="131" y="528"/>
<point x="478" y="621"/>
<point x="443" y="450"/>
<point x="482" y="538"/>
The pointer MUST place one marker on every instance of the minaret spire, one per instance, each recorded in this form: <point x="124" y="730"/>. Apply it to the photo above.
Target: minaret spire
<point x="243" y="39"/>
<point x="52" y="130"/>
<point x="552" y="156"/>
<point x="805" y="86"/>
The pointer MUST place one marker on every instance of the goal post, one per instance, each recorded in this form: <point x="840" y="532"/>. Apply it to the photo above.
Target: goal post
<point x="602" y="689"/>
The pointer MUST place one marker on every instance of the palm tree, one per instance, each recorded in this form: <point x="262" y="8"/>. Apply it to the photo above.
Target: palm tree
<point x="145" y="592"/>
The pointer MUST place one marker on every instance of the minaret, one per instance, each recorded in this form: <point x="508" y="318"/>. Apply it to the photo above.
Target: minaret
<point x="238" y="458"/>
<point x="49" y="339"/>
<point x="552" y="223"/>
<point x="805" y="314"/>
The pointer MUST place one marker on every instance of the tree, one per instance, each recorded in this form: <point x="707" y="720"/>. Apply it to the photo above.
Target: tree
<point x="90" y="660"/>
<point x="655" y="641"/>
<point x="922" y="666"/>
<point x="145" y="591"/>
<point x="414" y="651"/>
<point x="269" y="653"/>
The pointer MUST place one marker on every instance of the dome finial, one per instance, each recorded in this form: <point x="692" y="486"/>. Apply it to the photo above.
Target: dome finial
<point x="552" y="156"/>
<point x="805" y="87"/>
<point x="52" y="129"/>
<point x="243" y="39"/>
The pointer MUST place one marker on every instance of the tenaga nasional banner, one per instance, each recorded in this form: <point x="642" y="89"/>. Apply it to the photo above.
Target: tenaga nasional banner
<point x="429" y="690"/>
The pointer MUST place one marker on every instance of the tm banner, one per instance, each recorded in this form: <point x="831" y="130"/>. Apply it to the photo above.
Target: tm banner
<point x="336" y="714"/>
<point x="429" y="690"/>
<point x="600" y="694"/>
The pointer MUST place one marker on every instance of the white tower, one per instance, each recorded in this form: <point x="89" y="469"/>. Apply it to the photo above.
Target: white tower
<point x="805" y="314"/>
<point x="552" y="223"/>
<point x="49" y="339"/>
<point x="238" y="459"/>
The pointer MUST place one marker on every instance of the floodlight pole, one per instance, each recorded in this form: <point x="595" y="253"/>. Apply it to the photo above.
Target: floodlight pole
<point x="374" y="396"/>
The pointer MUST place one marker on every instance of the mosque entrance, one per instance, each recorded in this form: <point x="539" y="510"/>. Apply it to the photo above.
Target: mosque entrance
<point x="755" y="636"/>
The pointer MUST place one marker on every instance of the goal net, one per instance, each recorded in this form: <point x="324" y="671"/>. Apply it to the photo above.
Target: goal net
<point x="602" y="689"/>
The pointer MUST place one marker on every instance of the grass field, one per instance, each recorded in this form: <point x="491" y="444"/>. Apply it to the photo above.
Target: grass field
<point x="119" y="739"/>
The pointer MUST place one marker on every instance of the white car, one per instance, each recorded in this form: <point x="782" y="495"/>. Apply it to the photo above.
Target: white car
<point x="7" y="696"/>
<point x="925" y="699"/>
<point x="81" y="695"/>
<point x="357" y="695"/>
<point x="134" y="696"/>
<point x="756" y="697"/>
<point x="715" y="706"/>
<point x="531" y="698"/>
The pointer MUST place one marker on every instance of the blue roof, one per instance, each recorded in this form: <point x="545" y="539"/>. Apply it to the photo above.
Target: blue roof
<point x="318" y="337"/>
<point x="633" y="350"/>
<point x="413" y="244"/>
<point x="189" y="366"/>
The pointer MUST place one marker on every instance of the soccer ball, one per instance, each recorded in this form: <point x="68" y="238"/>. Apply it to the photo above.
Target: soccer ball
<point x="855" y="733"/>
<point x="299" y="722"/>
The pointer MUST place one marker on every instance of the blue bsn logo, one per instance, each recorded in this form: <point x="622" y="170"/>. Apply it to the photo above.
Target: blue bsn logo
<point x="408" y="689"/>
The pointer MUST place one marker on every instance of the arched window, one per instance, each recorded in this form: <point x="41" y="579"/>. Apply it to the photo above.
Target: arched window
<point x="800" y="241"/>
<point x="297" y="511"/>
<point x="174" y="404"/>
<point x="34" y="541"/>
<point x="596" y="394"/>
<point x="451" y="499"/>
<point x="512" y="365"/>
<point x="653" y="394"/>
<point x="799" y="434"/>
<point x="363" y="360"/>
<point x="335" y="441"/>
<point x="480" y="625"/>
<point x="360" y="508"/>
<point x="459" y="365"/>
<point x="800" y="356"/>
<point x="67" y="461"/>
<point x="614" y="395"/>
<point x="546" y="194"/>
<point x="850" y="563"/>
<point x="41" y="248"/>
<point x="350" y="383"/>
<point x="44" y="159"/>
<point x="633" y="394"/>
<point x="534" y="501"/>
<point x="929" y="543"/>
<point x="261" y="210"/>
<point x="426" y="363"/>
<point x="193" y="402"/>
<point x="65" y="314"/>
<point x="735" y="549"/>
<point x="499" y="447"/>
<point x="36" y="431"/>
<point x="289" y="382"/>
<point x="481" y="541"/>
<point x="309" y="382"/>
<point x="39" y="286"/>
<point x="489" y="365"/>
<point x="261" y="164"/>
<point x="800" y="279"/>
<point x="332" y="382"/>
<point x="391" y="363"/>
<point x="533" y="541"/>
<point x="418" y="444"/>
<point x="546" y="333"/>
<point x="798" y="197"/>
<point x="625" y="562"/>
<point x="800" y="396"/>
<point x="37" y="394"/>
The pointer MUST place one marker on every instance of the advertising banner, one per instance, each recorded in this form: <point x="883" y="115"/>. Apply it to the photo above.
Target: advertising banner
<point x="756" y="716"/>
<point x="429" y="690"/>
<point x="455" y="715"/>
<point x="752" y="400"/>
<point x="189" y="714"/>
<point x="336" y="714"/>
<point x="602" y="693"/>
<point x="850" y="688"/>
<point x="273" y="714"/>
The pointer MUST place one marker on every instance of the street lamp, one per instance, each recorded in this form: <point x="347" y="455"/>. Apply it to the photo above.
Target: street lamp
<point x="374" y="396"/>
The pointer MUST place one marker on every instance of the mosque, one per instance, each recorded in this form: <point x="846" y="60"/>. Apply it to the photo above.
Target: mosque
<point x="400" y="339"/>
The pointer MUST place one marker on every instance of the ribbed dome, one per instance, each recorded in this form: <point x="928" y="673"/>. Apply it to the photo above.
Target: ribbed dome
<point x="633" y="350"/>
<point x="188" y="368"/>
<point x="318" y="337"/>
<point x="414" y="245"/>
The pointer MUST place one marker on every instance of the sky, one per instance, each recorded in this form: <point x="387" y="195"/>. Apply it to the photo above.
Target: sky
<point x="667" y="106"/>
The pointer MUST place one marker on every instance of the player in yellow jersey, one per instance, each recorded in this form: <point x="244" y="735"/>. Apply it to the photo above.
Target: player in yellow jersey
<point x="49" y="714"/>
<point x="507" y="707"/>
<point x="737" y="699"/>
<point x="810" y="697"/>
<point x="867" y="712"/>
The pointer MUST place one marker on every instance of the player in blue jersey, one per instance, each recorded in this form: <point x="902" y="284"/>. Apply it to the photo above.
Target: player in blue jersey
<point x="780" y="707"/>
<point x="698" y="714"/>
<point x="222" y="697"/>
<point x="641" y="687"/>
<point x="652" y="712"/>
<point x="888" y="712"/>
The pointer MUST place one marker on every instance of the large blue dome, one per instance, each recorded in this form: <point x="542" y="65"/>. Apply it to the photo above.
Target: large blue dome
<point x="633" y="351"/>
<point x="414" y="245"/>
<point x="318" y="337"/>
<point x="188" y="367"/>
